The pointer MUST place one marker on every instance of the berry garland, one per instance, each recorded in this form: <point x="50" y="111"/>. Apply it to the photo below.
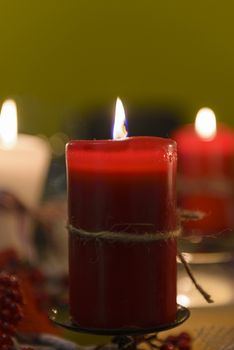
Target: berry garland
<point x="183" y="341"/>
<point x="11" y="309"/>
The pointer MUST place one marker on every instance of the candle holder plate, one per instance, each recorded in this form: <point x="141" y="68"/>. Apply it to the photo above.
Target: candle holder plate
<point x="60" y="316"/>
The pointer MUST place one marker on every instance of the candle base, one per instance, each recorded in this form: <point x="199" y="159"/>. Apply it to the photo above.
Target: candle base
<point x="61" y="317"/>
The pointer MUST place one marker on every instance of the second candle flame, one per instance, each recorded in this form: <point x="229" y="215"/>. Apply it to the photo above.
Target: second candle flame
<point x="119" y="130"/>
<point x="205" y="124"/>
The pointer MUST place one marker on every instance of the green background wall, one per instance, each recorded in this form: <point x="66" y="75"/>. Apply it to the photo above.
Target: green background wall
<point x="57" y="56"/>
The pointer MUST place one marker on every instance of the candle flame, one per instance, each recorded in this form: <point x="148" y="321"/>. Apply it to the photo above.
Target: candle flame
<point x="8" y="124"/>
<point x="205" y="124"/>
<point x="119" y="130"/>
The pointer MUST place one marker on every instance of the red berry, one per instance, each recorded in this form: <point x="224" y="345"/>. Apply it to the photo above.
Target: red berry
<point x="172" y="339"/>
<point x="16" y="318"/>
<point x="5" y="301"/>
<point x="15" y="295"/>
<point x="5" y="339"/>
<point x="6" y="315"/>
<point x="167" y="346"/>
<point x="5" y="280"/>
<point x="13" y="307"/>
<point x="184" y="344"/>
<point x="14" y="282"/>
<point x="185" y="335"/>
<point x="7" y="328"/>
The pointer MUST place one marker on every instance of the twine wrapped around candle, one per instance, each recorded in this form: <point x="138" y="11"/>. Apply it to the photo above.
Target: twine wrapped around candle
<point x="125" y="236"/>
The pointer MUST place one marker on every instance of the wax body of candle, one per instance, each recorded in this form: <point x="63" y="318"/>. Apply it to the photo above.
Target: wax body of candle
<point x="23" y="172"/>
<point x="206" y="173"/>
<point x="126" y="186"/>
<point x="24" y="168"/>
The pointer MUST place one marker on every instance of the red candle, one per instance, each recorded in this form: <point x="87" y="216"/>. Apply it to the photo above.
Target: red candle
<point x="206" y="172"/>
<point x="125" y="187"/>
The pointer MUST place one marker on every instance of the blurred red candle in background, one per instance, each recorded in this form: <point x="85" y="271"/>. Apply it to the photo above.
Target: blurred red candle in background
<point x="128" y="186"/>
<point x="206" y="174"/>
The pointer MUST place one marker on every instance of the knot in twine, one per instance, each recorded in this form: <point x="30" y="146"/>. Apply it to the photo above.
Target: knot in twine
<point x="126" y="237"/>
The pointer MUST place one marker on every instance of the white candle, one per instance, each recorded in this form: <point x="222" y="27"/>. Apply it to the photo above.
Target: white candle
<point x="24" y="162"/>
